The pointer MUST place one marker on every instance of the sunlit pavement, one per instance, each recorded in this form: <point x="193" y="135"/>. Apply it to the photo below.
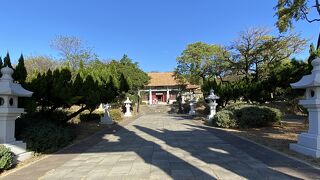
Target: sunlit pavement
<point x="161" y="146"/>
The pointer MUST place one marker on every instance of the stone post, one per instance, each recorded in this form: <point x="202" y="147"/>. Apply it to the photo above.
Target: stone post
<point x="9" y="93"/>
<point x="192" y="110"/>
<point x="168" y="96"/>
<point x="106" y="119"/>
<point x="150" y="97"/>
<point x="128" y="106"/>
<point x="309" y="143"/>
<point x="213" y="105"/>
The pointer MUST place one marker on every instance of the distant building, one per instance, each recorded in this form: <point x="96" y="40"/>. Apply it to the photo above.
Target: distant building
<point x="164" y="89"/>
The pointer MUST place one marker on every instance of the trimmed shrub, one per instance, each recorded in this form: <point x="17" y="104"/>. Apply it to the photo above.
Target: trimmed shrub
<point x="90" y="117"/>
<point x="248" y="116"/>
<point x="6" y="158"/>
<point x="224" y="119"/>
<point x="46" y="137"/>
<point x="25" y="121"/>
<point x="116" y="114"/>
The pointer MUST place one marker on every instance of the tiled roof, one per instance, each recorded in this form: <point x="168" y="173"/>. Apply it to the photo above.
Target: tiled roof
<point x="162" y="79"/>
<point x="166" y="79"/>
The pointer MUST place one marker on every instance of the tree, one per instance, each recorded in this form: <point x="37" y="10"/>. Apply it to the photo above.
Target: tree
<point x="135" y="76"/>
<point x="124" y="84"/>
<point x="201" y="61"/>
<point x="1" y="65"/>
<point x="289" y="10"/>
<point x="39" y="64"/>
<point x="72" y="50"/>
<point x="20" y="73"/>
<point x="7" y="61"/>
<point x="256" y="51"/>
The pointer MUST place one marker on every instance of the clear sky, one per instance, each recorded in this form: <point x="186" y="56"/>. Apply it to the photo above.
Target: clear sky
<point x="151" y="32"/>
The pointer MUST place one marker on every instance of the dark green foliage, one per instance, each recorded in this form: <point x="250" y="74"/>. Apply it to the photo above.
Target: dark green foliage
<point x="1" y="63"/>
<point x="46" y="137"/>
<point x="6" y="158"/>
<point x="57" y="90"/>
<point x="25" y="121"/>
<point x="249" y="116"/>
<point x="20" y="72"/>
<point x="90" y="117"/>
<point x="124" y="84"/>
<point x="1" y="66"/>
<point x="224" y="119"/>
<point x="7" y="61"/>
<point x="109" y="91"/>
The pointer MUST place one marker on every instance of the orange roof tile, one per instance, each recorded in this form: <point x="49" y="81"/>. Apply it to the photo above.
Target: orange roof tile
<point x="166" y="79"/>
<point x="162" y="79"/>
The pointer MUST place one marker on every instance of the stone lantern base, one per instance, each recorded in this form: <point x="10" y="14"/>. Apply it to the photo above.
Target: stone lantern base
<point x="127" y="114"/>
<point x="192" y="112"/>
<point x="106" y="120"/>
<point x="308" y="144"/>
<point x="19" y="150"/>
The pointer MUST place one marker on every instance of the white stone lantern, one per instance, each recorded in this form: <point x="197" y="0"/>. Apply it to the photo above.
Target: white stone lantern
<point x="192" y="111"/>
<point x="106" y="119"/>
<point x="9" y="111"/>
<point x="128" y="106"/>
<point x="309" y="142"/>
<point x="212" y="104"/>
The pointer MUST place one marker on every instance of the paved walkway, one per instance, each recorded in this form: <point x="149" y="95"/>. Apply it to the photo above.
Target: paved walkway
<point x="161" y="146"/>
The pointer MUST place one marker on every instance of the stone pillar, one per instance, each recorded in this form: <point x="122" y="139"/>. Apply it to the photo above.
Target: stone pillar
<point x="183" y="99"/>
<point x="128" y="106"/>
<point x="150" y="97"/>
<point x="168" y="96"/>
<point x="213" y="105"/>
<point x="192" y="110"/>
<point x="9" y="93"/>
<point x="309" y="143"/>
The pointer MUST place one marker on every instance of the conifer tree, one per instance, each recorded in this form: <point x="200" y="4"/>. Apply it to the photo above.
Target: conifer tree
<point x="124" y="85"/>
<point x="1" y="65"/>
<point x="6" y="61"/>
<point x="20" y="73"/>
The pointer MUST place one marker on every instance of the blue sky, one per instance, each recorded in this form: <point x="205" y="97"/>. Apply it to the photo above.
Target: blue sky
<point x="151" y="32"/>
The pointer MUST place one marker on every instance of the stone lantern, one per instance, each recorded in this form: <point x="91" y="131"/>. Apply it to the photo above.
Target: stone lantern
<point x="192" y="103"/>
<point x="128" y="106"/>
<point x="212" y="104"/>
<point x="106" y="119"/>
<point x="309" y="142"/>
<point x="9" y="111"/>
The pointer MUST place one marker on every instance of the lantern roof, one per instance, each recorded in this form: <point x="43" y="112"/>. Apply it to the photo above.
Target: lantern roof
<point x="212" y="96"/>
<point x="311" y="80"/>
<point x="127" y="101"/>
<point x="8" y="87"/>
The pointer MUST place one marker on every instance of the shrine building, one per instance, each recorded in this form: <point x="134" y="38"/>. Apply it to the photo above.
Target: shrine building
<point x="163" y="88"/>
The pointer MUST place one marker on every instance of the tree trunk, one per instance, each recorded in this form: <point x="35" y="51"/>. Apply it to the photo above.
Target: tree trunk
<point x="75" y="113"/>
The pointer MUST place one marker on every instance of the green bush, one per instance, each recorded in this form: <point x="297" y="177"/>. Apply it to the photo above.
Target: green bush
<point x="28" y="120"/>
<point x="46" y="137"/>
<point x="224" y="119"/>
<point x="247" y="116"/>
<point x="90" y="117"/>
<point x="116" y="114"/>
<point x="6" y="158"/>
<point x="256" y="116"/>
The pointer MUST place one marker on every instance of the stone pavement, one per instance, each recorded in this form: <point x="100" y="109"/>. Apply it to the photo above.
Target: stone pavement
<point x="161" y="146"/>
